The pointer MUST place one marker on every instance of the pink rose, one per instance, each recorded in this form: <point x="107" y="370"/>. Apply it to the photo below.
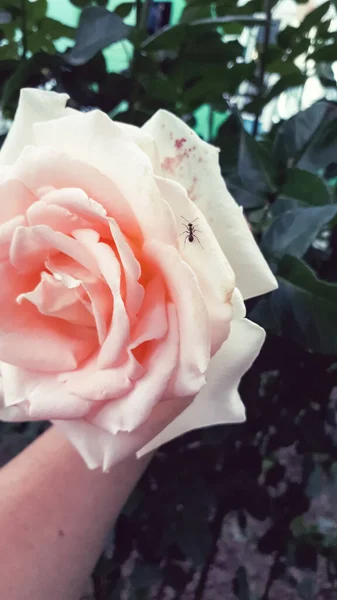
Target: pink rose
<point x="120" y="322"/>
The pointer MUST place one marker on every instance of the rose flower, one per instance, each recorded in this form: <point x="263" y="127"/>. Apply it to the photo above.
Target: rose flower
<point x="124" y="265"/>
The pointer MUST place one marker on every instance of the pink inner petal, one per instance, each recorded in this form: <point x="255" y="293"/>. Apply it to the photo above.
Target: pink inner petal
<point x="39" y="167"/>
<point x="192" y="313"/>
<point x="130" y="411"/>
<point x="55" y="217"/>
<point x="152" y="323"/>
<point x="106" y="384"/>
<point x="15" y="199"/>
<point x="7" y="231"/>
<point x="32" y="340"/>
<point x="31" y="246"/>
<point x="53" y="298"/>
<point x="119" y="329"/>
<point x="131" y="269"/>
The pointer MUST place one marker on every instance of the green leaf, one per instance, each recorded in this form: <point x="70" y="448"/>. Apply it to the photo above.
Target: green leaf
<point x="296" y="140"/>
<point x="255" y="167"/>
<point x="287" y="36"/>
<point x="36" y="11"/>
<point x="171" y="38"/>
<point x="326" y="53"/>
<point x="302" y="309"/>
<point x="98" y="28"/>
<point x="23" y="75"/>
<point x="80" y="3"/>
<point x="56" y="29"/>
<point x="294" y="231"/>
<point x="283" y="67"/>
<point x="306" y="187"/>
<point x="168" y="38"/>
<point x="287" y="81"/>
<point x="314" y="17"/>
<point x="123" y="10"/>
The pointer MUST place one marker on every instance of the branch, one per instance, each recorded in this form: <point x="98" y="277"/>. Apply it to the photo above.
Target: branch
<point x="24" y="29"/>
<point x="263" y="60"/>
<point x="271" y="576"/>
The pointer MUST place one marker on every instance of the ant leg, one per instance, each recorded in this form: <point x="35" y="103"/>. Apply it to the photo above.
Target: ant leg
<point x="196" y="237"/>
<point x="186" y="238"/>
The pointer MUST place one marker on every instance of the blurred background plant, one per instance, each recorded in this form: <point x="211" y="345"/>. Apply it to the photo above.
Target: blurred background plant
<point x="246" y="511"/>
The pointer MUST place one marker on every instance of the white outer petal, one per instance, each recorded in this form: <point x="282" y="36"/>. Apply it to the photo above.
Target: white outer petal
<point x="218" y="402"/>
<point x="196" y="166"/>
<point x="35" y="106"/>
<point x="99" y="448"/>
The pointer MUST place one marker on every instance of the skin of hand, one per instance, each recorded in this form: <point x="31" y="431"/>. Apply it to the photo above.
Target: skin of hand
<point x="55" y="515"/>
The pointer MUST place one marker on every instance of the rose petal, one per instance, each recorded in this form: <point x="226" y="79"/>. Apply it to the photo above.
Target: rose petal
<point x="93" y="138"/>
<point x="131" y="410"/>
<point x="97" y="385"/>
<point x="152" y="320"/>
<point x="192" y="316"/>
<point x="7" y="231"/>
<point x="119" y="330"/>
<point x="46" y="169"/>
<point x="145" y="142"/>
<point x="194" y="163"/>
<point x="40" y="395"/>
<point x="101" y="449"/>
<point x="219" y="401"/>
<point x="53" y="298"/>
<point x="34" y="106"/>
<point x="219" y="281"/>
<point x="33" y="341"/>
<point x="216" y="284"/>
<point x="31" y="246"/>
<point x="134" y="292"/>
<point x="15" y="198"/>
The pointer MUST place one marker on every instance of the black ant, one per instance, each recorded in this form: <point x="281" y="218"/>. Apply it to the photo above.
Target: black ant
<point x="190" y="231"/>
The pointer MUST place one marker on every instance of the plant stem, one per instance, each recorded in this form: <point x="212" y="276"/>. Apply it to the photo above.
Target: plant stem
<point x="263" y="61"/>
<point x="210" y="124"/>
<point x="271" y="576"/>
<point x="216" y="530"/>
<point x="143" y="11"/>
<point x="24" y="29"/>
<point x="138" y="11"/>
<point x="144" y="17"/>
